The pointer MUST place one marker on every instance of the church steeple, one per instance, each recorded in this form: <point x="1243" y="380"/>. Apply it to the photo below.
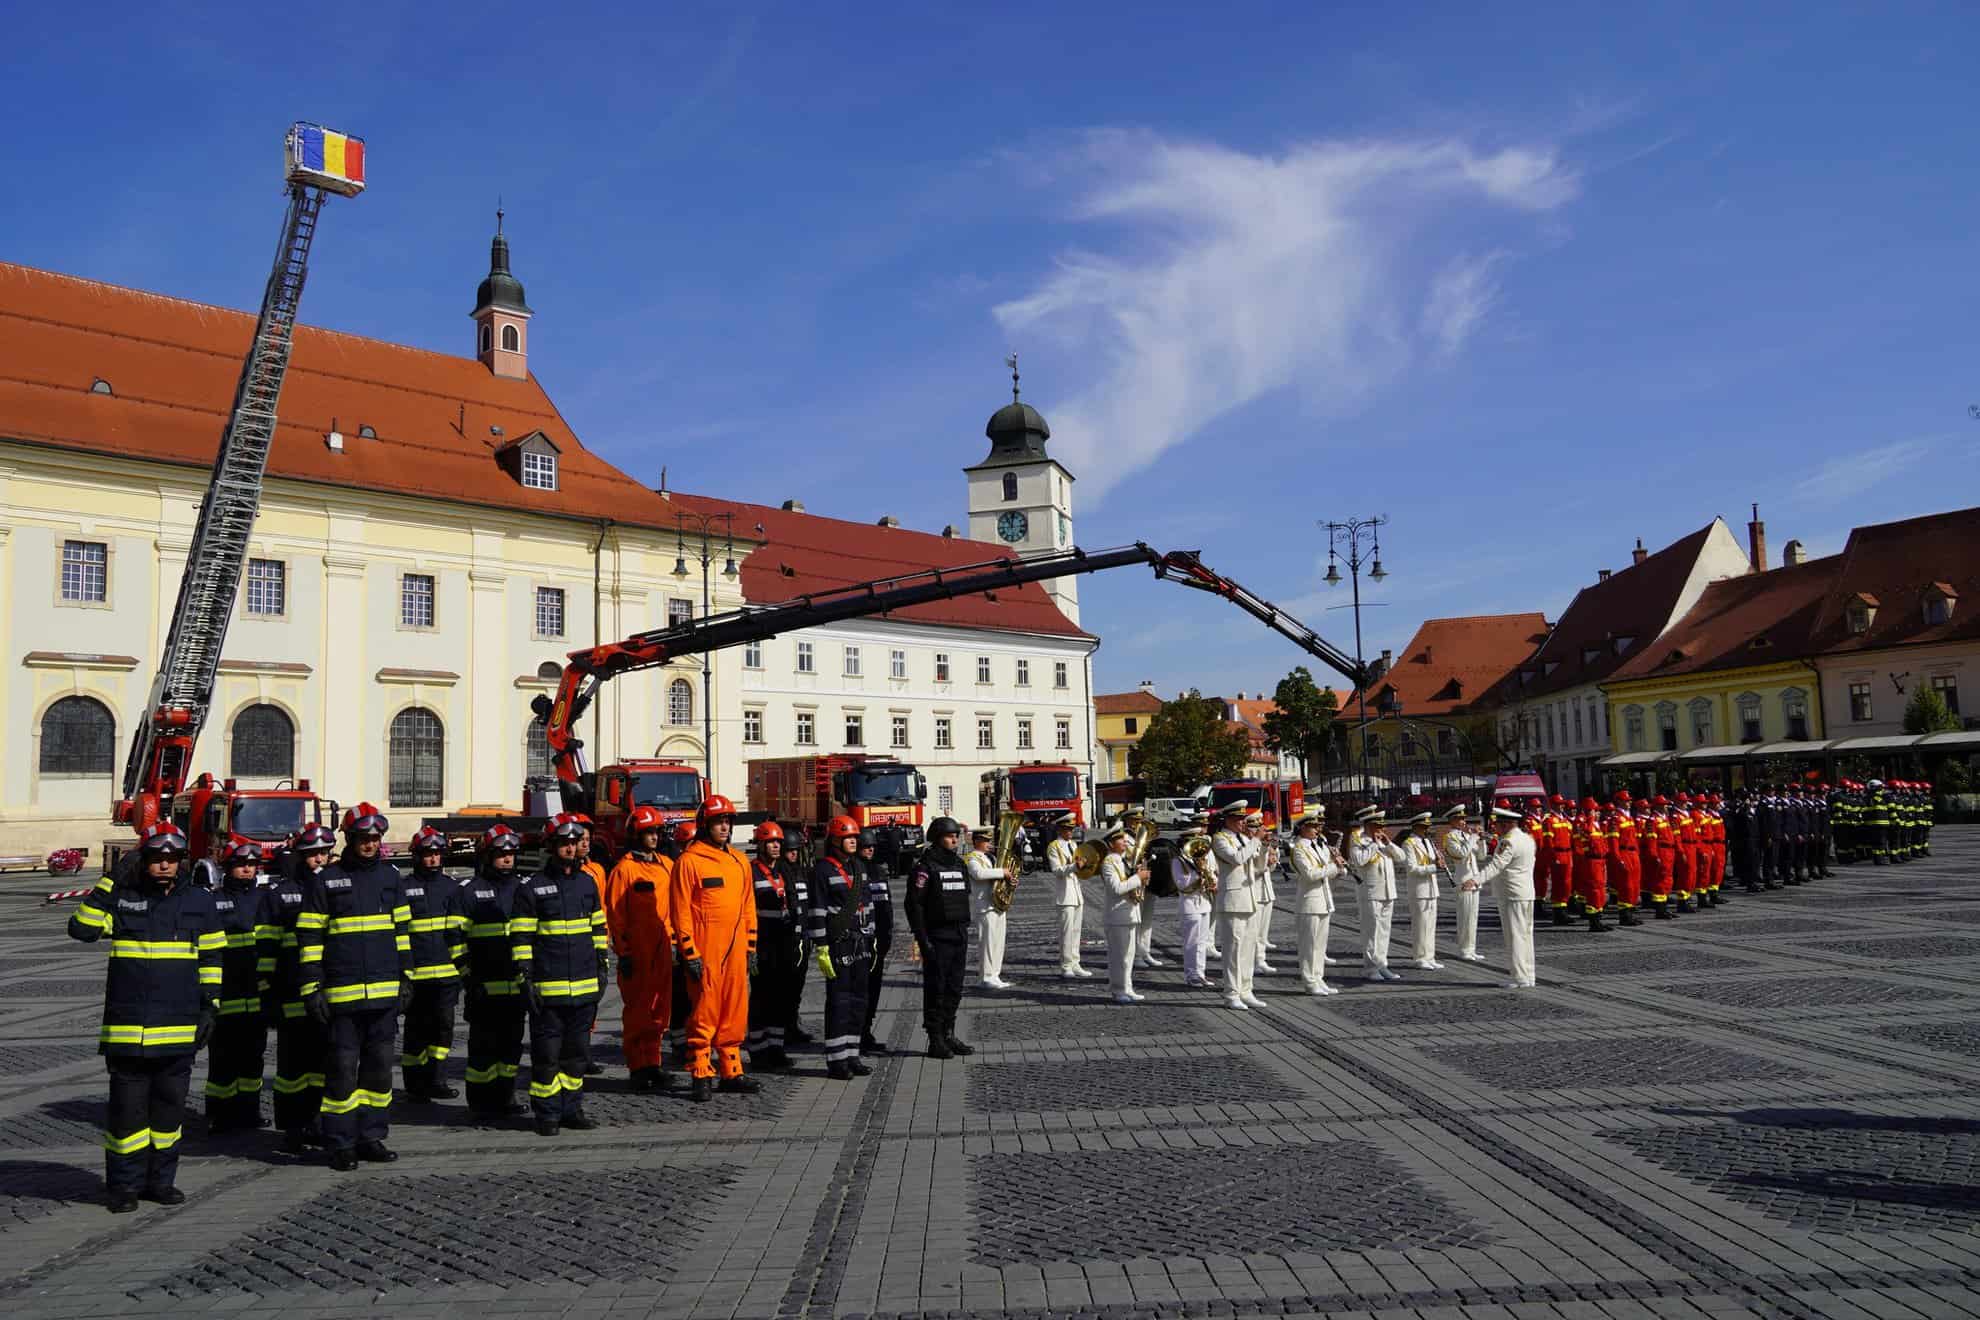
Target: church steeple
<point x="501" y="316"/>
<point x="1019" y="495"/>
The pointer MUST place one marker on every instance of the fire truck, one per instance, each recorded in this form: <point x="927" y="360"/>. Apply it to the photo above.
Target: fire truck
<point x="804" y="792"/>
<point x="317" y="161"/>
<point x="1282" y="800"/>
<point x="673" y="787"/>
<point x="1040" y="791"/>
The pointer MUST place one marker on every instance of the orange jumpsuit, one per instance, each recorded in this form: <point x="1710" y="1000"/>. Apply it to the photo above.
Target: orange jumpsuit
<point x="1715" y="825"/>
<point x="1535" y="825"/>
<point x="1591" y="861"/>
<point x="713" y="918"/>
<point x="1687" y="859"/>
<point x="638" y="895"/>
<point x="1560" y="864"/>
<point x="596" y="870"/>
<point x="1660" y="842"/>
<point x="1629" y="862"/>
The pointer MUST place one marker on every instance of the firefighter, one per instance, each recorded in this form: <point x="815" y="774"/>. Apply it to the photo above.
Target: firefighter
<point x="1820" y="809"/>
<point x="1557" y="838"/>
<point x="1534" y="823"/>
<point x="841" y="930"/>
<point x="938" y="913"/>
<point x="1627" y="858"/>
<point x="1591" y="863"/>
<point x="239" y="1047"/>
<point x="880" y="893"/>
<point x="160" y="1001"/>
<point x="637" y="894"/>
<point x="984" y="873"/>
<point x="1660" y="858"/>
<point x="1842" y="820"/>
<point x="783" y="897"/>
<point x="497" y="1012"/>
<point x="439" y="948"/>
<point x="714" y="928"/>
<point x="677" y="1003"/>
<point x="356" y="963"/>
<point x="1928" y="806"/>
<point x="557" y="938"/>
<point x="1743" y="838"/>
<point x="301" y="1043"/>
<point x="1684" y="875"/>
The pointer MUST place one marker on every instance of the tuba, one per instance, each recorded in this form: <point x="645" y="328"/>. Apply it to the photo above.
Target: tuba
<point x="1145" y="835"/>
<point x="1196" y="852"/>
<point x="1003" y="890"/>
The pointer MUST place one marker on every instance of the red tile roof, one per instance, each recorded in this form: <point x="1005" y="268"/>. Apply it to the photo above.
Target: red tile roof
<point x="171" y="366"/>
<point x="1126" y="703"/>
<point x="1757" y="619"/>
<point x="1893" y="566"/>
<point x="1453" y="664"/>
<point x="803" y="552"/>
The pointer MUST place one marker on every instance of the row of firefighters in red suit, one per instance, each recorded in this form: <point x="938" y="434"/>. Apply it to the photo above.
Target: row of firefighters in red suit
<point x="1668" y="854"/>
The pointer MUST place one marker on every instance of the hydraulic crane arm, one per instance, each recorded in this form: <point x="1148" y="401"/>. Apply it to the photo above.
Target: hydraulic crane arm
<point x="588" y="668"/>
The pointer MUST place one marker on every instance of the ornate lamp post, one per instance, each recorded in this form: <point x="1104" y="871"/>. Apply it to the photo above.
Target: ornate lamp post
<point x="1344" y="542"/>
<point x="692" y="530"/>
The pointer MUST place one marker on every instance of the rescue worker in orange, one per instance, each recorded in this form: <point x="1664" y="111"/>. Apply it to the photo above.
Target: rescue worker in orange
<point x="1591" y="863"/>
<point x="1663" y="846"/>
<point x="1535" y="824"/>
<point x="1558" y="841"/>
<point x="1629" y="859"/>
<point x="638" y="892"/>
<point x="713" y="919"/>
<point x="1715" y="825"/>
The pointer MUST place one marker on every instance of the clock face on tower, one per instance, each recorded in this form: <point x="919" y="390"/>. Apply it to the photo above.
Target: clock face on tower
<point x="1012" y="525"/>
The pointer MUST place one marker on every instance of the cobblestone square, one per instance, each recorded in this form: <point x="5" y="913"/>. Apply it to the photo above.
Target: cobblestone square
<point x="1771" y="1110"/>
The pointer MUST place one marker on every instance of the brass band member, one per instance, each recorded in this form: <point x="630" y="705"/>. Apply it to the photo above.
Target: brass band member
<point x="1061" y="855"/>
<point x="1125" y="891"/>
<point x="1315" y="865"/>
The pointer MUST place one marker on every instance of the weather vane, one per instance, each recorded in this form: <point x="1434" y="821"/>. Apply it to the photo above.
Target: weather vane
<point x="1010" y="360"/>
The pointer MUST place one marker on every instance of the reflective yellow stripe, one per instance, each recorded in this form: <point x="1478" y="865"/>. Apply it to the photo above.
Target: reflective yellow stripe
<point x="210" y="975"/>
<point x="311" y="920"/>
<point x="212" y="941"/>
<point x="215" y="1091"/>
<point x="131" y="1145"/>
<point x="165" y="1140"/>
<point x="104" y="886"/>
<point x="564" y="989"/>
<point x="571" y="1083"/>
<point x="91" y="916"/>
<point x="574" y="926"/>
<point x="356" y="1100"/>
<point x="498" y="987"/>
<point x="403" y="912"/>
<point x="358" y="925"/>
<point x="296" y="1085"/>
<point x="127" y="1035"/>
<point x="522" y="952"/>
<point x="487" y="930"/>
<point x="152" y="949"/>
<point x="403" y="944"/>
<point x="433" y="972"/>
<point x="240" y="939"/>
<point x="269" y="932"/>
<point x="522" y="925"/>
<point x="231" y="1007"/>
<point x="421" y="925"/>
<point x="350" y="994"/>
<point x="599" y="942"/>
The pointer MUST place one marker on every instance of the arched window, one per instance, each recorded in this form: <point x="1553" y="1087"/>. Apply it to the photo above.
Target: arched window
<point x="1667" y="726"/>
<point x="511" y="339"/>
<point x="536" y="752"/>
<point x="487" y="337"/>
<point x="550" y="671"/>
<point x="1633" y="728"/>
<point x="416" y="759"/>
<point x="680" y="702"/>
<point x="1702" y="733"/>
<point x="264" y="744"/>
<point x="78" y="737"/>
<point x="1794" y="712"/>
<point x="1010" y="485"/>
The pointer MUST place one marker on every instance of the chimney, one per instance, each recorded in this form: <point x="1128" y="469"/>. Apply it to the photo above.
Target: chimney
<point x="1601" y="575"/>
<point x="1148" y="686"/>
<point x="1794" y="553"/>
<point x="1756" y="541"/>
<point x="792" y="506"/>
<point x="889" y="520"/>
<point x="949" y="532"/>
<point x="1639" y="554"/>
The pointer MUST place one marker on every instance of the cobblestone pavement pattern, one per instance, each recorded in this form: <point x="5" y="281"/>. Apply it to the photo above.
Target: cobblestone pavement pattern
<point x="1768" y="1110"/>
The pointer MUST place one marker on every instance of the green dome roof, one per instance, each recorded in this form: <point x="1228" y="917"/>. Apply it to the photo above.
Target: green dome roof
<point x="1017" y="433"/>
<point x="500" y="289"/>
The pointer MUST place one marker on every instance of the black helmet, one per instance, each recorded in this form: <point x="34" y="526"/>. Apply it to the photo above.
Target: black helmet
<point x="869" y="838"/>
<point x="944" y="825"/>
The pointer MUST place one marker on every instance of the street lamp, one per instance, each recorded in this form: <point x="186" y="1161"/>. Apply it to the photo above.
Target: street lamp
<point x="690" y="530"/>
<point x="1344" y="541"/>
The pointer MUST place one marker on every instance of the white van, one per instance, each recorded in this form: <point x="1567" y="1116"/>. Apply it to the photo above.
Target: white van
<point x="1172" y="813"/>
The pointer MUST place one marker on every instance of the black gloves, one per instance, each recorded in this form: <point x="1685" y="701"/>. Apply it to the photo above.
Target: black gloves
<point x="405" y="995"/>
<point x="208" y="1011"/>
<point x="752" y="964"/>
<point x="317" y="1005"/>
<point x="527" y="989"/>
<point x="692" y="966"/>
<point x="627" y="967"/>
<point x="604" y="968"/>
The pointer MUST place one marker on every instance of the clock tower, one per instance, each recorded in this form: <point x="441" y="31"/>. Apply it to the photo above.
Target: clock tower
<point x="1019" y="496"/>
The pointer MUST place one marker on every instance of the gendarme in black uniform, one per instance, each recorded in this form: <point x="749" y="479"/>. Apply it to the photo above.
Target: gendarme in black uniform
<point x="937" y="901"/>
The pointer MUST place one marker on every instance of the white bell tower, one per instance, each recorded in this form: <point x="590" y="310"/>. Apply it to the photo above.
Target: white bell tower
<point x="1019" y="496"/>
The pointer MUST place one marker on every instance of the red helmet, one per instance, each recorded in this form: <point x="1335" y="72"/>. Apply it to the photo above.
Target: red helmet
<point x="683" y="831"/>
<point x="842" y="827"/>
<point x="315" y="838"/>
<point x="581" y="819"/>
<point x="243" y="851"/>
<point x="1589" y="804"/>
<point x="769" y="830"/>
<point x="646" y="818"/>
<point x="1660" y="801"/>
<point x="564" y="825"/>
<point x="365" y="819"/>
<point x="1684" y="799"/>
<point x="500" y="839"/>
<point x="164" y="837"/>
<point x="716" y="805"/>
<point x="428" y="839"/>
<point x="1557" y="800"/>
<point x="1622" y="795"/>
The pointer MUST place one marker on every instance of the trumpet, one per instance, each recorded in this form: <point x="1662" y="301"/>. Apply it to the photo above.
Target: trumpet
<point x="1003" y="890"/>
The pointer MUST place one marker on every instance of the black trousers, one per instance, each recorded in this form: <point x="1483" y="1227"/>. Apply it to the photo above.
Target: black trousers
<point x="1747" y="858"/>
<point x="677" y="1014"/>
<point x="144" y="1120"/>
<point x="774" y="992"/>
<point x="496" y="1027"/>
<point x="559" y="1049"/>
<point x="791" y="1023"/>
<point x="1770" y="859"/>
<point x="845" y="1007"/>
<point x="942" y="979"/>
<point x="357" y="1083"/>
<point x="428" y="1033"/>
<point x="877" y="976"/>
<point x="235" y="1055"/>
<point x="301" y="1047"/>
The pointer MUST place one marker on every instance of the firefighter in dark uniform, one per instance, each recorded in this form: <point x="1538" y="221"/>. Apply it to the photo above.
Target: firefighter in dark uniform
<point x="1877" y="818"/>
<point x="1743" y="838"/>
<point x="938" y="913"/>
<point x="1793" y="853"/>
<point x="160" y="1001"/>
<point x="239" y="1047"/>
<point x="557" y="937"/>
<point x="356" y="954"/>
<point x="783" y="896"/>
<point x="1768" y="817"/>
<point x="497" y="1014"/>
<point x="1820" y="826"/>
<point x="439" y="948"/>
<point x="1838" y="802"/>
<point x="841" y="931"/>
<point x="880" y="893"/>
<point x="300" y="1041"/>
<point x="1927" y="807"/>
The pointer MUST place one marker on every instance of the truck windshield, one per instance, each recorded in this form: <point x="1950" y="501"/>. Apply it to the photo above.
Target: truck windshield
<point x="268" y="818"/>
<point x="1225" y="794"/>
<point x="880" y="787"/>
<point x="1045" y="785"/>
<point x="671" y="788"/>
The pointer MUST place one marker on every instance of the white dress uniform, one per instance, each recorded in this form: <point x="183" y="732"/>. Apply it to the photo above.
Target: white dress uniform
<point x="983" y="874"/>
<point x="1373" y="862"/>
<point x="1510" y="874"/>
<point x="1237" y="912"/>
<point x="1268" y="893"/>
<point x="1460" y="848"/>
<point x="1193" y="913"/>
<point x="1123" y="918"/>
<point x="1060" y="855"/>
<point x="1419" y="875"/>
<point x="1315" y="869"/>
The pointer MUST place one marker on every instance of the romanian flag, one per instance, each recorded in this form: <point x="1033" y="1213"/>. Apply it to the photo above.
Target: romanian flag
<point x="319" y="150"/>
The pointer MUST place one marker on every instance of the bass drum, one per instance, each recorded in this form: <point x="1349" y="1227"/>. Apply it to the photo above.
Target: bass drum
<point x="1161" y="878"/>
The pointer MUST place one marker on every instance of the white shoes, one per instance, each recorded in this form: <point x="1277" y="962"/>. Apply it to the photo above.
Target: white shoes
<point x="1151" y="961"/>
<point x="1218" y="954"/>
<point x="1265" y="967"/>
<point x="1428" y="965"/>
<point x="1127" y="999"/>
<point x="1516" y="985"/>
<point x="1321" y="990"/>
<point x="1233" y="1001"/>
<point x="1325" y="961"/>
<point x="1073" y="973"/>
<point x="1253" y="1001"/>
<point x="1472" y="957"/>
<point x="1268" y="946"/>
<point x="1388" y="975"/>
<point x="993" y="983"/>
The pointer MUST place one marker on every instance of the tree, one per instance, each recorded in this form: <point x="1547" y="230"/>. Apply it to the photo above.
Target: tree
<point x="1303" y="724"/>
<point x="1926" y="712"/>
<point x="1188" y="743"/>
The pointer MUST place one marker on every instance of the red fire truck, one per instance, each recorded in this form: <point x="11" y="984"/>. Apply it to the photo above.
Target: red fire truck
<point x="674" y="787"/>
<point x="1282" y="800"/>
<point x="807" y="791"/>
<point x="1039" y="790"/>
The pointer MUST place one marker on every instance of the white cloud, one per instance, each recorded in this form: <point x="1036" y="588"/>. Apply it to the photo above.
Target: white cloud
<point x="1333" y="266"/>
<point x="1840" y="478"/>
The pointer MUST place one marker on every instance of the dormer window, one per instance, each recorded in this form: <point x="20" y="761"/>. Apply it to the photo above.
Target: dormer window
<point x="1589" y="653"/>
<point x="1550" y="666"/>
<point x="531" y="460"/>
<point x="539" y="471"/>
<point x="1623" y="642"/>
<point x="1861" y="612"/>
<point x="1939" y="601"/>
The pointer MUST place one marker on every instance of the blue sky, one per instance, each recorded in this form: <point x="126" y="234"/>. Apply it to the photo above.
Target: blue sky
<point x="1532" y="287"/>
